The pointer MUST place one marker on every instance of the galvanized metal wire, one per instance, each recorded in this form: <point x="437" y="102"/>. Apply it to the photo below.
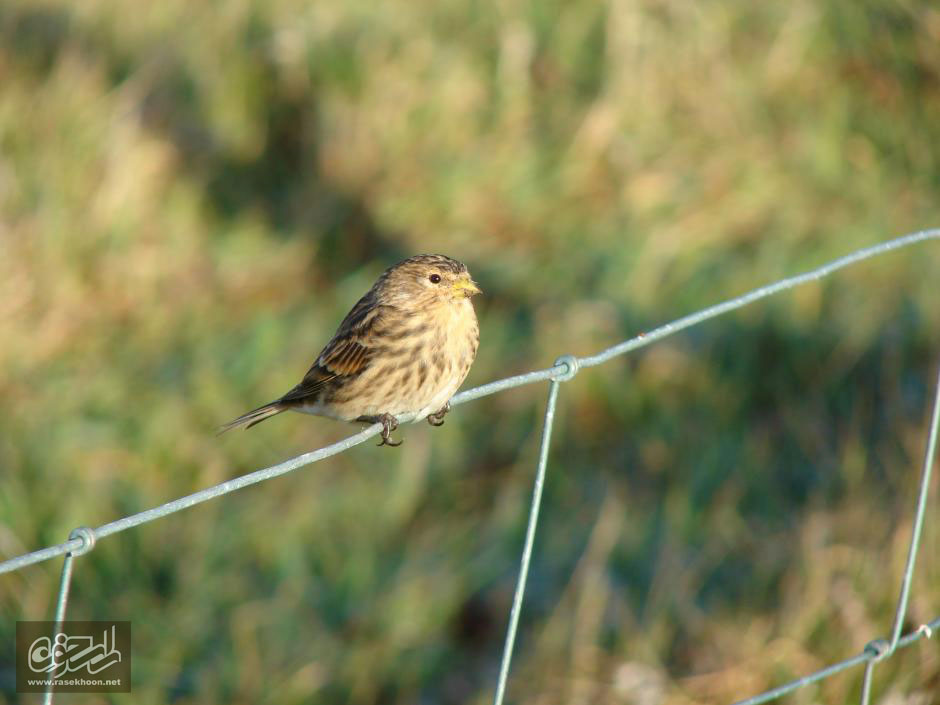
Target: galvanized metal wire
<point x="529" y="541"/>
<point x="83" y="539"/>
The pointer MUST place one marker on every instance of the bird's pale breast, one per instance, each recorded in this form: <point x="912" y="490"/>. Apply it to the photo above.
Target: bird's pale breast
<point x="418" y="366"/>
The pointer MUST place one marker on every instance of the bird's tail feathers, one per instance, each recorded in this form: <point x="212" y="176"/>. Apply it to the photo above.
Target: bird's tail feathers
<point x="255" y="416"/>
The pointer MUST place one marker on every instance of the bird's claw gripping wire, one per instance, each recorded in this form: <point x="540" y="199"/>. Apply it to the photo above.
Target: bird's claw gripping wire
<point x="437" y="418"/>
<point x="389" y="424"/>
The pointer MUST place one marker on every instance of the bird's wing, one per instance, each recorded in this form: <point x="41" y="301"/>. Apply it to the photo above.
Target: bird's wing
<point x="348" y="354"/>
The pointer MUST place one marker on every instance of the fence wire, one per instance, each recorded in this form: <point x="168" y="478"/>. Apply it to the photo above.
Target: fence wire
<point x="83" y="539"/>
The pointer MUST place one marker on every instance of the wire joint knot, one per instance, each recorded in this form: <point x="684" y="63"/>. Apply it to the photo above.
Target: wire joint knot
<point x="573" y="365"/>
<point x="87" y="537"/>
<point x="878" y="649"/>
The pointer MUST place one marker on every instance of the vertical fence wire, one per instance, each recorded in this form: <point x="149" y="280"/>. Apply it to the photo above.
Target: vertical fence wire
<point x="917" y="530"/>
<point x="866" y="682"/>
<point x="880" y="649"/>
<point x="65" y="585"/>
<point x="87" y="538"/>
<point x="529" y="541"/>
<point x="913" y="549"/>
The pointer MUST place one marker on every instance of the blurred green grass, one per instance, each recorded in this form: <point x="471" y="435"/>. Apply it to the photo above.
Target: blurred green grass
<point x="192" y="195"/>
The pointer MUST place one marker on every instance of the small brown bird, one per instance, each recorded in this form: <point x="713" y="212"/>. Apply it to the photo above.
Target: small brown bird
<point x="405" y="348"/>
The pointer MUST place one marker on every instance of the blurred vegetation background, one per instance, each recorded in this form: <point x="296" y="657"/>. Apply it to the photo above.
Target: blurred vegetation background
<point x="193" y="194"/>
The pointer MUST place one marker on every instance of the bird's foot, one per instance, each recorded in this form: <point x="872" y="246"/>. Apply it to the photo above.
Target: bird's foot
<point x="437" y="418"/>
<point x="389" y="424"/>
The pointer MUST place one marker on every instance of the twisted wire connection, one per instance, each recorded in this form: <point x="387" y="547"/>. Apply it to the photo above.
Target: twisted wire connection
<point x="83" y="539"/>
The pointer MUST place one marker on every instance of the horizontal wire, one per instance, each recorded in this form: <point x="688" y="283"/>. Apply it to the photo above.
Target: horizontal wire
<point x="205" y="495"/>
<point x="639" y="341"/>
<point x="564" y="369"/>
<point x="867" y="655"/>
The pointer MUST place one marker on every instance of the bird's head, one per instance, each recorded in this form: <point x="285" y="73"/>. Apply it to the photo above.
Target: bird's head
<point x="425" y="280"/>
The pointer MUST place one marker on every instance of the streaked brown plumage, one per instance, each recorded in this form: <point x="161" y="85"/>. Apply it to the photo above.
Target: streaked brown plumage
<point x="403" y="349"/>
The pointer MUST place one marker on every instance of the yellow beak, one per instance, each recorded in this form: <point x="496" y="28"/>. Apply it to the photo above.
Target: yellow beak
<point x="466" y="286"/>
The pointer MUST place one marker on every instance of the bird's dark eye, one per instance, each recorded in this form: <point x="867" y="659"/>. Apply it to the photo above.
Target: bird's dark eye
<point x="435" y="278"/>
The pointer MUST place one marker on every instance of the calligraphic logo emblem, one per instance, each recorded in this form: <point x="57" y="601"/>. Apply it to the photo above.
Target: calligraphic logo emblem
<point x="75" y="656"/>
